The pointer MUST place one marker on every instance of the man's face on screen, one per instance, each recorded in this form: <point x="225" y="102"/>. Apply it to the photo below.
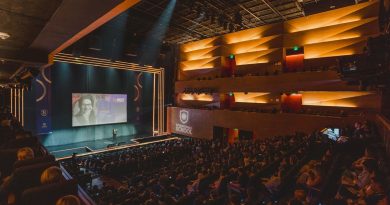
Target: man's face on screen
<point x="86" y="106"/>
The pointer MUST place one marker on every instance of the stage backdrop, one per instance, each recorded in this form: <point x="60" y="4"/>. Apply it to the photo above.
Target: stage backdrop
<point x="73" y="78"/>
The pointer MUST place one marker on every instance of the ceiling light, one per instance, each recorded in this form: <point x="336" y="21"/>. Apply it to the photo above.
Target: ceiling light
<point x="4" y="36"/>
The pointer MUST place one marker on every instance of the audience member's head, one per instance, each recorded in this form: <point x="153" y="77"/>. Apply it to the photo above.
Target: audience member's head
<point x="68" y="200"/>
<point x="51" y="175"/>
<point x="25" y="153"/>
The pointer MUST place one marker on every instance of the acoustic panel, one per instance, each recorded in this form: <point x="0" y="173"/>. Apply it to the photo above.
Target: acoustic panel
<point x="334" y="17"/>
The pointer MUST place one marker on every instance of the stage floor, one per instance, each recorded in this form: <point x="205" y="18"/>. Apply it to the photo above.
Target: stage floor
<point x="89" y="146"/>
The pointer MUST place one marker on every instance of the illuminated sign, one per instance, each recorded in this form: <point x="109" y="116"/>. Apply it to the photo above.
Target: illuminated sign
<point x="184" y="117"/>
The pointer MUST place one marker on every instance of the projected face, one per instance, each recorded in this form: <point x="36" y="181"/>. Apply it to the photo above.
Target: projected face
<point x="98" y="109"/>
<point x="86" y="106"/>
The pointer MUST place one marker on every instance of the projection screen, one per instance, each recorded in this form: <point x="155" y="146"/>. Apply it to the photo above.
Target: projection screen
<point x="98" y="109"/>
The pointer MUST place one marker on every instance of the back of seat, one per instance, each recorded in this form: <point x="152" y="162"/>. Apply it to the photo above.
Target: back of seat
<point x="7" y="159"/>
<point x="48" y="194"/>
<point x="39" y="160"/>
<point x="29" y="176"/>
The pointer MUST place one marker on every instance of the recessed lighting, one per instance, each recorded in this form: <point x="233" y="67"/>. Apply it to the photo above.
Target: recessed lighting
<point x="4" y="36"/>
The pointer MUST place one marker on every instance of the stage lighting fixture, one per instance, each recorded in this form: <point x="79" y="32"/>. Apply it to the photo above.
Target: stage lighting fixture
<point x="231" y="56"/>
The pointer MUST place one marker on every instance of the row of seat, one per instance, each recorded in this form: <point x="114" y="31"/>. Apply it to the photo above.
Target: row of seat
<point x="21" y="179"/>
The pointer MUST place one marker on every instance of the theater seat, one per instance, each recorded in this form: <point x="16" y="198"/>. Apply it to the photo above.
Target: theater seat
<point x="7" y="159"/>
<point x="39" y="160"/>
<point x="19" y="143"/>
<point x="48" y="194"/>
<point x="29" y="176"/>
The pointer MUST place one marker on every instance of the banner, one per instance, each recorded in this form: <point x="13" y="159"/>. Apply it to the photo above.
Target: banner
<point x="42" y="83"/>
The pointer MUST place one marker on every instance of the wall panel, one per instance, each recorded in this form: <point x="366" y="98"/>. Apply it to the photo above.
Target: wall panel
<point x="263" y="125"/>
<point x="333" y="33"/>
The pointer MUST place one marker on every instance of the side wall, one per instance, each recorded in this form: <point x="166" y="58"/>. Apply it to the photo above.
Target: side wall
<point x="201" y="122"/>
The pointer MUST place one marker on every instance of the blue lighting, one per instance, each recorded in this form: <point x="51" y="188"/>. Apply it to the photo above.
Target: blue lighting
<point x="151" y="48"/>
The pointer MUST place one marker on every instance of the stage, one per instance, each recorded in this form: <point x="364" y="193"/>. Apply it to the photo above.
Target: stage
<point x="61" y="151"/>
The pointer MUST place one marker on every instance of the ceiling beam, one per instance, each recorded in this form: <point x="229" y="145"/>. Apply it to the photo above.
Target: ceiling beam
<point x="270" y="6"/>
<point x="249" y="12"/>
<point x="300" y="7"/>
<point x="126" y="4"/>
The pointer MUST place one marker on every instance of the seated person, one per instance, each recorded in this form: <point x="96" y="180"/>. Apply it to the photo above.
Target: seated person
<point x="272" y="184"/>
<point x="369" y="168"/>
<point x="368" y="154"/>
<point x="68" y="200"/>
<point x="314" y="178"/>
<point x="51" y="175"/>
<point x="25" y="153"/>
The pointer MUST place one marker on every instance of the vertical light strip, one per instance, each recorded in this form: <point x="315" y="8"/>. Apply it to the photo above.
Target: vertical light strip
<point x="11" y="96"/>
<point x="23" y="107"/>
<point x="161" y="103"/>
<point x="19" y="105"/>
<point x="158" y="104"/>
<point x="154" y="100"/>
<point x="16" y="110"/>
<point x="163" y="100"/>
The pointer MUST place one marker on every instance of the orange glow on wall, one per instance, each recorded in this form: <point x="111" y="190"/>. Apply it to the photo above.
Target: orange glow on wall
<point x="332" y="98"/>
<point x="357" y="29"/>
<point x="322" y="24"/>
<point x="340" y="32"/>
<point x="251" y="97"/>
<point x="197" y="97"/>
<point x="254" y="57"/>
<point x="335" y="38"/>
<point x="294" y="62"/>
<point x="334" y="17"/>
<point x="252" y="34"/>
<point x="335" y="48"/>
<point x="198" y="45"/>
<point x="251" y="46"/>
<point x="200" y="64"/>
<point x="199" y="54"/>
<point x="291" y="102"/>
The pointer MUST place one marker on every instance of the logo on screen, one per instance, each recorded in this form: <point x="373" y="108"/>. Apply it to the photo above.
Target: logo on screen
<point x="184" y="116"/>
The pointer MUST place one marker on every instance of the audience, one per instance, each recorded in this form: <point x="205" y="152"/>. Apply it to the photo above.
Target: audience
<point x="194" y="170"/>
<point x="68" y="200"/>
<point x="25" y="153"/>
<point x="296" y="169"/>
<point x="51" y="175"/>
